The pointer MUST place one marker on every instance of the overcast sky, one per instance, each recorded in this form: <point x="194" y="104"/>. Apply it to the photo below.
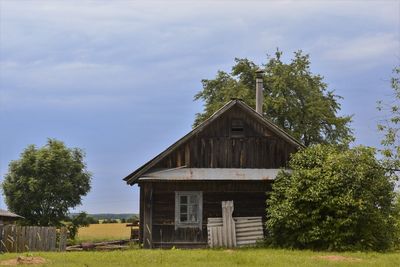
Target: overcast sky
<point x="117" y="78"/>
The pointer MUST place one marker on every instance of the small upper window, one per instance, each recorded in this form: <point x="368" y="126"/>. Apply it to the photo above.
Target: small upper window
<point x="237" y="128"/>
<point x="188" y="207"/>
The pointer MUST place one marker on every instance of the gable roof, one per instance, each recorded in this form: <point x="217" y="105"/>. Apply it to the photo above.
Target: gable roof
<point x="132" y="178"/>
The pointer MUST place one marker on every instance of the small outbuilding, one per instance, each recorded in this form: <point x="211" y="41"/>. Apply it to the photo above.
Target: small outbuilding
<point x="7" y="217"/>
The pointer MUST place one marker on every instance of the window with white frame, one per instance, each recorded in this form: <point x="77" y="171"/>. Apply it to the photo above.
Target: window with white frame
<point x="188" y="209"/>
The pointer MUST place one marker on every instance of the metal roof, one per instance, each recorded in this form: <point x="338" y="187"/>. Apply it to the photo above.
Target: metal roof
<point x="211" y="174"/>
<point x="5" y="213"/>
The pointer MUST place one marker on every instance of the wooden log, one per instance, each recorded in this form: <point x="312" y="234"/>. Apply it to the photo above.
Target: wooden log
<point x="111" y="247"/>
<point x="74" y="249"/>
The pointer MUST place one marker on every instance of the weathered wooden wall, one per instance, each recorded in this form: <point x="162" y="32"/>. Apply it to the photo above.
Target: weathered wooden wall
<point x="216" y="146"/>
<point x="248" y="196"/>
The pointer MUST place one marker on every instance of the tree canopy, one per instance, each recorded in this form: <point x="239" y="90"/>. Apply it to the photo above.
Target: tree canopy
<point x="294" y="98"/>
<point x="337" y="199"/>
<point x="390" y="126"/>
<point x="45" y="182"/>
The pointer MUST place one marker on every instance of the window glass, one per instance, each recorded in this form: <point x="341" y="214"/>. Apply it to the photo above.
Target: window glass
<point x="187" y="209"/>
<point x="183" y="208"/>
<point x="183" y="199"/>
<point x="193" y="199"/>
<point x="183" y="217"/>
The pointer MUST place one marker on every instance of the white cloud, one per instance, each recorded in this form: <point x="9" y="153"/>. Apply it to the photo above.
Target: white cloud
<point x="104" y="47"/>
<point x="363" y="51"/>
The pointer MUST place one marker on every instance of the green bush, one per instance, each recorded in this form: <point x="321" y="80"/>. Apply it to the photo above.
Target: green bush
<point x="333" y="199"/>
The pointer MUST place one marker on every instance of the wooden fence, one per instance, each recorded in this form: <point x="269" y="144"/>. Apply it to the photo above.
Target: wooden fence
<point x="14" y="238"/>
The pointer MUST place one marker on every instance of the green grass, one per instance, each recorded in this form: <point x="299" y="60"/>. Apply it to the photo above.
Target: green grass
<point x="208" y="257"/>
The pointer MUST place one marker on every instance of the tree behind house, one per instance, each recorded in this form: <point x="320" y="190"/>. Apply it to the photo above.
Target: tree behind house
<point x="294" y="98"/>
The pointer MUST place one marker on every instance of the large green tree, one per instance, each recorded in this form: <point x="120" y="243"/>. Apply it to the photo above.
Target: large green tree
<point x="294" y="98"/>
<point x="334" y="198"/>
<point x="45" y="182"/>
<point x="390" y="126"/>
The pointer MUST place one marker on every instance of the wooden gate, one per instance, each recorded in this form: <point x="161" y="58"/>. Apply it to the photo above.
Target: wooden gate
<point x="14" y="238"/>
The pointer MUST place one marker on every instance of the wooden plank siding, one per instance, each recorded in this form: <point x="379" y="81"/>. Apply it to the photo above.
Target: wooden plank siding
<point x="248" y="196"/>
<point x="214" y="146"/>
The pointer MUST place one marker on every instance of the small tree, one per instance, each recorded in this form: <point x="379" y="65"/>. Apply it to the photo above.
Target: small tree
<point x="333" y="199"/>
<point x="45" y="182"/>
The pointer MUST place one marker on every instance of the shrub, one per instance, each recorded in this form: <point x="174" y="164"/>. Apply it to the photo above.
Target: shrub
<point x="334" y="199"/>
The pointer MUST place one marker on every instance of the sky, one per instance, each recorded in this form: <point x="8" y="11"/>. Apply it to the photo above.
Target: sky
<point x="117" y="78"/>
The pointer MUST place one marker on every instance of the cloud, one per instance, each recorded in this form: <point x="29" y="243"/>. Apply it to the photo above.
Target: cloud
<point x="365" y="50"/>
<point x="95" y="49"/>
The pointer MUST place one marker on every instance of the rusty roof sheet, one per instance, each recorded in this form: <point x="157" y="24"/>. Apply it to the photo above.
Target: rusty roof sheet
<point x="211" y="174"/>
<point x="5" y="213"/>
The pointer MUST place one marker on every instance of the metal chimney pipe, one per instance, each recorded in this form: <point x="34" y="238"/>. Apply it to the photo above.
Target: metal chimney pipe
<point x="259" y="91"/>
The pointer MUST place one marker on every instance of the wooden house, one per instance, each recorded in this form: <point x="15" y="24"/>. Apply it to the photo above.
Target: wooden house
<point x="232" y="156"/>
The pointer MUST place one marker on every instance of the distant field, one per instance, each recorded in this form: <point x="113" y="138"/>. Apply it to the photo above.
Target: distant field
<point x="107" y="231"/>
<point x="216" y="257"/>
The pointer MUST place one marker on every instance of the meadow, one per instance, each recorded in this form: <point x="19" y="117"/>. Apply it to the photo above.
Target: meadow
<point x="102" y="232"/>
<point x="213" y="257"/>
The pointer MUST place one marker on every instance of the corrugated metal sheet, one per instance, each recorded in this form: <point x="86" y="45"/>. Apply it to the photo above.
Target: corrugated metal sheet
<point x="211" y="174"/>
<point x="248" y="231"/>
<point x="5" y="213"/>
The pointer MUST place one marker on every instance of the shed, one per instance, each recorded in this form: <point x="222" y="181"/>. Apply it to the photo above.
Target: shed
<point x="7" y="217"/>
<point x="232" y="156"/>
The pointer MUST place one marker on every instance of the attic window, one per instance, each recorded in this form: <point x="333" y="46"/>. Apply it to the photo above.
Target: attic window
<point x="237" y="128"/>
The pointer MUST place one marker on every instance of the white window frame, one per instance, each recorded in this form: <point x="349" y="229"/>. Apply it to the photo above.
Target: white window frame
<point x="198" y="223"/>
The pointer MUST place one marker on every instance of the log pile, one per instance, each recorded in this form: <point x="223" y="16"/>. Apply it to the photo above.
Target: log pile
<point x="108" y="245"/>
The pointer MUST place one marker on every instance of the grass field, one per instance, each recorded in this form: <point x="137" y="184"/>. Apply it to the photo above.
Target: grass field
<point x="107" y="231"/>
<point x="220" y="258"/>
